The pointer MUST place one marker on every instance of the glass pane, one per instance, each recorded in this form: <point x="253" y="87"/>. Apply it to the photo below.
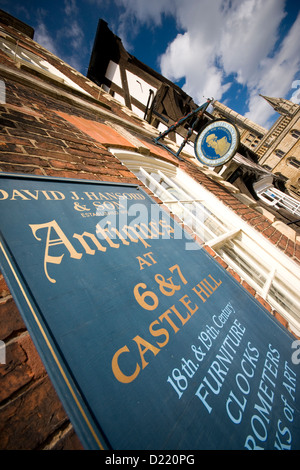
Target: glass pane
<point x="175" y="191"/>
<point x="26" y="57"/>
<point x="236" y="254"/>
<point x="186" y="188"/>
<point x="193" y="214"/>
<point x="216" y="225"/>
<point x="154" y="186"/>
<point x="211" y="221"/>
<point x="286" y="298"/>
<point x="197" y="219"/>
<point x="204" y="216"/>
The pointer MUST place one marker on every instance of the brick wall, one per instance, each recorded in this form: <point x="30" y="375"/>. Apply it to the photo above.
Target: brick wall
<point x="36" y="138"/>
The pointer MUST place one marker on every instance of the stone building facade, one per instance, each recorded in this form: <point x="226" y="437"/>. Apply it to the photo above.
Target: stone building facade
<point x="56" y="122"/>
<point x="276" y="149"/>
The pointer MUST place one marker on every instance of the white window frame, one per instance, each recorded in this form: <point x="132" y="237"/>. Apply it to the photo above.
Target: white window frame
<point x="31" y="61"/>
<point x="275" y="265"/>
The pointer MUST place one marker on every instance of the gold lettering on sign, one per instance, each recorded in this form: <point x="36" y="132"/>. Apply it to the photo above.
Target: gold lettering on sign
<point x="93" y="238"/>
<point x="60" y="239"/>
<point x="90" y="243"/>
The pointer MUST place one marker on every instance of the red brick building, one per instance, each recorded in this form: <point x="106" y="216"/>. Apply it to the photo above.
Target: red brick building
<point x="56" y="122"/>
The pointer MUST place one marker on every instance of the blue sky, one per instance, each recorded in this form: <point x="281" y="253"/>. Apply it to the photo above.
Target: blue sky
<point x="231" y="50"/>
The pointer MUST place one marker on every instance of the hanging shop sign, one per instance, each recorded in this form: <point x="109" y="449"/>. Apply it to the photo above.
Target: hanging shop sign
<point x="148" y="341"/>
<point x="217" y="143"/>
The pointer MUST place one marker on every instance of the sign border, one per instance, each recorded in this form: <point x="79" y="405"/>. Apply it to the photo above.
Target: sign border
<point x="228" y="155"/>
<point x="81" y="416"/>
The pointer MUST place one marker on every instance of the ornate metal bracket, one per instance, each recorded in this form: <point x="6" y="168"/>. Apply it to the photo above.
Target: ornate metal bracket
<point x="199" y="112"/>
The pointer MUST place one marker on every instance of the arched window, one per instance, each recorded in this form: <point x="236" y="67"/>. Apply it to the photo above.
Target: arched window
<point x="253" y="257"/>
<point x="294" y="162"/>
<point x="295" y="133"/>
<point x="279" y="153"/>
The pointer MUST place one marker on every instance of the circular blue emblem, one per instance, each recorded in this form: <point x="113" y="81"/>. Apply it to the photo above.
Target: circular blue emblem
<point x="217" y="143"/>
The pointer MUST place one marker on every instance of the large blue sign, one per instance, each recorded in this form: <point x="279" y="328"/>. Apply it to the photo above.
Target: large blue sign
<point x="149" y="342"/>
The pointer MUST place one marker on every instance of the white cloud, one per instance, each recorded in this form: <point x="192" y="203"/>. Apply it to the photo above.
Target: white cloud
<point x="70" y="7"/>
<point x="231" y="39"/>
<point x="137" y="13"/>
<point x="295" y="98"/>
<point x="74" y="34"/>
<point x="70" y="33"/>
<point x="72" y="30"/>
<point x="249" y="35"/>
<point x="202" y="78"/>
<point x="275" y="76"/>
<point x="146" y="11"/>
<point x="225" y="42"/>
<point x="43" y="37"/>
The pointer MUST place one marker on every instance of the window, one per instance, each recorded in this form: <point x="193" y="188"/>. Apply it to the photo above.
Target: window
<point x="295" y="133"/>
<point x="261" y="269"/>
<point x="279" y="153"/>
<point x="252" y="140"/>
<point x="32" y="62"/>
<point x="294" y="162"/>
<point x="255" y="143"/>
<point x="190" y="210"/>
<point x="275" y="277"/>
